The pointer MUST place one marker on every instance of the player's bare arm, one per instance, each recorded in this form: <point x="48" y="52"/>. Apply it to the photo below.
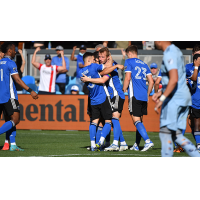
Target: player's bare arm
<point x="101" y="80"/>
<point x="73" y="58"/>
<point x="24" y="86"/>
<point x="126" y="81"/>
<point x="173" y="80"/>
<point x="151" y="83"/>
<point x="23" y="60"/>
<point x="33" y="62"/>
<point x="62" y="69"/>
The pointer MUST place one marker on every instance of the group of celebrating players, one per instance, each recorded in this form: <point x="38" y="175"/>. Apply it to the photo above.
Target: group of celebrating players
<point x="106" y="97"/>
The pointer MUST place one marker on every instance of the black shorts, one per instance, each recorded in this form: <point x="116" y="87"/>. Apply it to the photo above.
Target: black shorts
<point x="137" y="108"/>
<point x="103" y="110"/>
<point x="10" y="107"/>
<point x="117" y="104"/>
<point x="89" y="109"/>
<point x="195" y="113"/>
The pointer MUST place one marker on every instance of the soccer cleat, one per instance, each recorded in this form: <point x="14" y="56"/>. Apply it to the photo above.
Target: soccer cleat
<point x="123" y="147"/>
<point x="148" y="146"/>
<point x="135" y="147"/>
<point x="92" y="149"/>
<point x="98" y="147"/>
<point x="5" y="147"/>
<point x="178" y="149"/>
<point x="112" y="147"/>
<point x="15" y="148"/>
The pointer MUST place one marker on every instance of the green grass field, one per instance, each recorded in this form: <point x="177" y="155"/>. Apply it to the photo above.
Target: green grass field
<point x="46" y="143"/>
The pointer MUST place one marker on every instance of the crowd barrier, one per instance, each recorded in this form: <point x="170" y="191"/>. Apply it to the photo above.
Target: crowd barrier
<point x="69" y="112"/>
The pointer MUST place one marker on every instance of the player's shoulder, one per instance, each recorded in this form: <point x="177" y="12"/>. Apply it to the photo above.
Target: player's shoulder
<point x="189" y="65"/>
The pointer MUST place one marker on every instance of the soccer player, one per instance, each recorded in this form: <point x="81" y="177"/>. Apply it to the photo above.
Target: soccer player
<point x="136" y="74"/>
<point x="8" y="99"/>
<point x="175" y="100"/>
<point x="193" y="76"/>
<point x="117" y="99"/>
<point x="99" y="97"/>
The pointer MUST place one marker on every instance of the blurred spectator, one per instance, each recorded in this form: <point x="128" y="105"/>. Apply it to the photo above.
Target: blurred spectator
<point x="156" y="76"/>
<point x="36" y="44"/>
<point x="48" y="72"/>
<point x="74" y="89"/>
<point x="1" y="54"/>
<point x="122" y="44"/>
<point x="61" y="78"/>
<point x="99" y="46"/>
<point x="80" y="62"/>
<point x="20" y="71"/>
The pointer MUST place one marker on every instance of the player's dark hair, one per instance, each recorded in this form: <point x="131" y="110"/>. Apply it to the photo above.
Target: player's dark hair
<point x="96" y="55"/>
<point x="87" y="54"/>
<point x="105" y="49"/>
<point x="196" y="48"/>
<point x="132" y="48"/>
<point x="6" y="46"/>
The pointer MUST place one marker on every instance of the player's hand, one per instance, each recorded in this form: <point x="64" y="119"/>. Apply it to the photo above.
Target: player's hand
<point x="37" y="49"/>
<point x="197" y="62"/>
<point x="74" y="48"/>
<point x="156" y="96"/>
<point x="20" y="51"/>
<point x="157" y="107"/>
<point x="34" y="95"/>
<point x="120" y="67"/>
<point x="84" y="78"/>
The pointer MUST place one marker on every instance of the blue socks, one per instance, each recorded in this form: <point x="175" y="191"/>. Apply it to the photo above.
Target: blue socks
<point x="106" y="129"/>
<point x="98" y="133"/>
<point x="92" y="130"/>
<point x="121" y="137"/>
<point x="6" y="126"/>
<point x="141" y="129"/>
<point x="116" y="128"/>
<point x="12" y="135"/>
<point x="197" y="137"/>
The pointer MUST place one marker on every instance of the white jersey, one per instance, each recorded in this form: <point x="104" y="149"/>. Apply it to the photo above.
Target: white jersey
<point x="47" y="78"/>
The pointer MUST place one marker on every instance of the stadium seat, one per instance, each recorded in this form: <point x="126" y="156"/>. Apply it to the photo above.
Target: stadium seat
<point x="81" y="93"/>
<point x="28" y="79"/>
<point x="68" y="88"/>
<point x="58" y="92"/>
<point x="152" y="92"/>
<point x="57" y="88"/>
<point x="32" y="86"/>
<point x="72" y="80"/>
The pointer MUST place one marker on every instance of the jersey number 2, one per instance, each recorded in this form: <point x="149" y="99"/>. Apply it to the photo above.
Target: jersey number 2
<point x="138" y="73"/>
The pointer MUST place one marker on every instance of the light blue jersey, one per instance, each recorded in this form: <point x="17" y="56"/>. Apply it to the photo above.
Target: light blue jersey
<point x="137" y="86"/>
<point x="173" y="112"/>
<point x="193" y="85"/>
<point x="7" y="85"/>
<point x="97" y="92"/>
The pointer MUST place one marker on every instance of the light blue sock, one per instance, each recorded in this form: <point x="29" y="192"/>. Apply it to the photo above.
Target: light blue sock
<point x="187" y="145"/>
<point x="116" y="128"/>
<point x="6" y="126"/>
<point x="92" y="130"/>
<point x="166" y="144"/>
<point x="13" y="134"/>
<point x="106" y="129"/>
<point x="141" y="129"/>
<point x="98" y="133"/>
<point x="138" y="138"/>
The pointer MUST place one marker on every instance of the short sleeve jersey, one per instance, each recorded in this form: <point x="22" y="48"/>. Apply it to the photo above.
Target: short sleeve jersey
<point x="61" y="77"/>
<point x="7" y="84"/>
<point x="47" y="78"/>
<point x="79" y="61"/>
<point x="173" y="59"/>
<point x="194" y="86"/>
<point x="97" y="92"/>
<point x="113" y="84"/>
<point x="137" y="86"/>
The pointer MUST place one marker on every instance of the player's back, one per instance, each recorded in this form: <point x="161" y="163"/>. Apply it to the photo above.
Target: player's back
<point x="7" y="85"/>
<point x="97" y="92"/>
<point x="139" y="70"/>
<point x="173" y="59"/>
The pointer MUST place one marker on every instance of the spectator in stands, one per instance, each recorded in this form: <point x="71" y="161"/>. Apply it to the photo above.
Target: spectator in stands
<point x="156" y="75"/>
<point x="20" y="71"/>
<point x="74" y="89"/>
<point x="80" y="62"/>
<point x="61" y="78"/>
<point x="122" y="44"/>
<point x="48" y="72"/>
<point x="99" y="46"/>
